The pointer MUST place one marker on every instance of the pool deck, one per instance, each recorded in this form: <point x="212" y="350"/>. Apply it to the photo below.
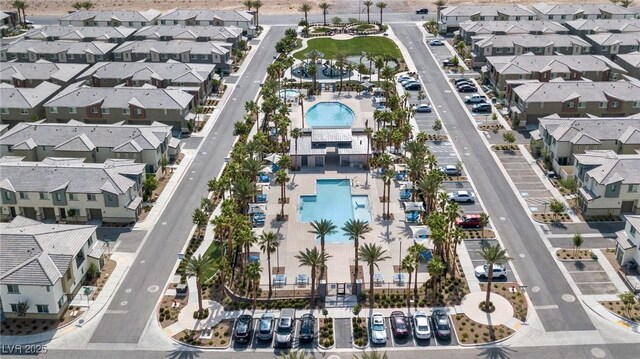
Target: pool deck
<point x="361" y="105"/>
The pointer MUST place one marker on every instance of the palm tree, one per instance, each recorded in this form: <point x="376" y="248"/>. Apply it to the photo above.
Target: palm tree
<point x="356" y="229"/>
<point x="269" y="243"/>
<point x="198" y="267"/>
<point x="372" y="355"/>
<point x="20" y="5"/>
<point x="492" y="255"/>
<point x="314" y="259"/>
<point x="436" y="269"/>
<point x="408" y="264"/>
<point x="252" y="167"/>
<point x="341" y="61"/>
<point x="439" y="4"/>
<point x="296" y="133"/>
<point x="387" y="178"/>
<point x="199" y="218"/>
<point x="305" y="8"/>
<point x="367" y="4"/>
<point x="257" y="4"/>
<point x="253" y="275"/>
<point x="325" y="7"/>
<point x="577" y="243"/>
<point x="484" y="221"/>
<point x="416" y="250"/>
<point x="244" y="191"/>
<point x="282" y="179"/>
<point x="429" y="185"/>
<point x="248" y="4"/>
<point x="381" y="5"/>
<point x="322" y="229"/>
<point x="251" y="107"/>
<point x="372" y="254"/>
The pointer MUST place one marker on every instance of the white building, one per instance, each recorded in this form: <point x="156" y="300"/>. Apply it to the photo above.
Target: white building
<point x="628" y="251"/>
<point x="452" y="16"/>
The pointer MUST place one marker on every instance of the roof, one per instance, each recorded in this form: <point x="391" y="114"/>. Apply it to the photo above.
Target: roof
<point x="145" y="71"/>
<point x="41" y="70"/>
<point x="634" y="220"/>
<point x="73" y="174"/>
<point x="586" y="91"/>
<point x="79" y="33"/>
<point x="529" y="40"/>
<point x="623" y="240"/>
<point x="332" y="135"/>
<point x="147" y="97"/>
<point x="56" y="47"/>
<point x="183" y="32"/>
<point x="486" y="10"/>
<point x="622" y="39"/>
<point x="304" y="146"/>
<point x="605" y="25"/>
<point x="20" y="97"/>
<point x="359" y="145"/>
<point x="632" y="58"/>
<point x="608" y="167"/>
<point x="35" y="253"/>
<point x="512" y="27"/>
<point x="108" y="15"/>
<point x="581" y="131"/>
<point x="206" y="15"/>
<point x="528" y="63"/>
<point x="174" y="47"/>
<point x="580" y="8"/>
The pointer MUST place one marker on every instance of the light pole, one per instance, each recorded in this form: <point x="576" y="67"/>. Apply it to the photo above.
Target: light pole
<point x="400" y="255"/>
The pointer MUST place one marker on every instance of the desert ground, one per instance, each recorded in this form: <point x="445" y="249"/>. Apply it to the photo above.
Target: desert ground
<point x="58" y="7"/>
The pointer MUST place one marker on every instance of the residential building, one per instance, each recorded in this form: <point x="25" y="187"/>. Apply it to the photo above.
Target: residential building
<point x="607" y="183"/>
<point x="628" y="251"/>
<point x="32" y="74"/>
<point x="611" y="45"/>
<point x="529" y="102"/>
<point x="598" y="26"/>
<point x="61" y="189"/>
<point x="469" y="29"/>
<point x="569" y="12"/>
<point x="114" y="18"/>
<point x="19" y="104"/>
<point x="45" y="265"/>
<point x="209" y="17"/>
<point x="115" y="35"/>
<point x="134" y="105"/>
<point x="217" y="53"/>
<point x="230" y="34"/>
<point x="500" y="45"/>
<point x="347" y="146"/>
<point x="147" y="144"/>
<point x="562" y="138"/>
<point x="57" y="51"/>
<point x="510" y="71"/>
<point x="8" y="21"/>
<point x="451" y="16"/>
<point x="630" y="62"/>
<point x="192" y="78"/>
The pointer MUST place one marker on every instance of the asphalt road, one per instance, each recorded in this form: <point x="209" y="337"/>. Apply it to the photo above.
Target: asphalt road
<point x="511" y="221"/>
<point x="135" y="300"/>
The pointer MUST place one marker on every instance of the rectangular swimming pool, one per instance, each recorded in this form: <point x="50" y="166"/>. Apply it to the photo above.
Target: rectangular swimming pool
<point x="333" y="201"/>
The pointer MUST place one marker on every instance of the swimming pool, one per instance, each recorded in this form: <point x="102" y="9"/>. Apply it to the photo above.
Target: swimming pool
<point x="333" y="200"/>
<point x="330" y="114"/>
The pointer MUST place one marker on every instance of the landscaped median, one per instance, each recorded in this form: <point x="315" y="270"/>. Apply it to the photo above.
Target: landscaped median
<point x="326" y="339"/>
<point x="471" y="332"/>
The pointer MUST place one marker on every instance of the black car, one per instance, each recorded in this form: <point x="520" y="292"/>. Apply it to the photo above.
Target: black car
<point x="422" y="11"/>
<point x="481" y="107"/>
<point x="459" y="81"/>
<point x="399" y="324"/>
<point x="307" y="327"/>
<point x="413" y="86"/>
<point x="243" y="328"/>
<point x="467" y="88"/>
<point x="448" y="63"/>
<point x="441" y="325"/>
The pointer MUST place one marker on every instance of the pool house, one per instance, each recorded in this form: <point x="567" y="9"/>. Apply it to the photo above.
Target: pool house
<point x="320" y="147"/>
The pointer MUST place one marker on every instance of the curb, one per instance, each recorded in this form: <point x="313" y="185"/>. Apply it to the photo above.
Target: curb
<point x="487" y="343"/>
<point x="320" y="346"/>
<point x="626" y="323"/>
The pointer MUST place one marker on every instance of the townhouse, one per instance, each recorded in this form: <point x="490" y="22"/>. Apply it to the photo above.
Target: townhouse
<point x="630" y="62"/>
<point x="32" y="74"/>
<point x="57" y="51"/>
<point x="19" y="104"/>
<point x="67" y="189"/>
<point x="8" y="21"/>
<point x="562" y="138"/>
<point x="597" y="26"/>
<point x="209" y="17"/>
<point x="611" y="45"/>
<point x="569" y="12"/>
<point x="628" y="251"/>
<point x="113" y="18"/>
<point x="217" y="53"/>
<point x="192" y="78"/>
<point x="230" y="34"/>
<point x="134" y="105"/>
<point x="450" y="17"/>
<point x="148" y="144"/>
<point x="511" y="71"/>
<point x="529" y="102"/>
<point x="469" y="29"/>
<point x="115" y="35"/>
<point x="44" y="266"/>
<point x="607" y="183"/>
<point x="552" y="44"/>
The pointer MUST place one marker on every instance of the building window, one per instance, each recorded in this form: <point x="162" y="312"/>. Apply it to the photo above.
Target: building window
<point x="24" y="111"/>
<point x="582" y="104"/>
<point x="4" y="111"/>
<point x="73" y="197"/>
<point x="615" y="104"/>
<point x="72" y="110"/>
<point x="125" y="111"/>
<point x="14" y="307"/>
<point x="24" y="195"/>
<point x="632" y="231"/>
<point x="90" y="242"/>
<point x="44" y="195"/>
<point x="58" y="197"/>
<point x="93" y="110"/>
<point x="138" y="111"/>
<point x="571" y="104"/>
<point x="13" y="289"/>
<point x="7" y="195"/>
<point x="42" y="308"/>
<point x="105" y="111"/>
<point x="53" y="109"/>
<point x="79" y="258"/>
<point x="61" y="302"/>
<point x="602" y="104"/>
<point x="636" y="104"/>
<point x="48" y="288"/>
<point x="163" y="56"/>
<point x="633" y="188"/>
<point x="205" y="57"/>
<point x="91" y="197"/>
<point x="117" y="55"/>
<point x="70" y="56"/>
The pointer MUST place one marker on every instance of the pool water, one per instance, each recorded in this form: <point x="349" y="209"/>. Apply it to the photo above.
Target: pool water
<point x="333" y="201"/>
<point x="330" y="114"/>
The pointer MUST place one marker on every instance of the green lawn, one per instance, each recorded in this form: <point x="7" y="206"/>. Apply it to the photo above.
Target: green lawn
<point x="370" y="44"/>
<point x="214" y="251"/>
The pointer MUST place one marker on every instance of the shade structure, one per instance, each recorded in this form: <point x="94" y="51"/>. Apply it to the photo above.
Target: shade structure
<point x="257" y="208"/>
<point x="266" y="169"/>
<point x="367" y="84"/>
<point x="273" y="158"/>
<point x="413" y="207"/>
<point x="406" y="185"/>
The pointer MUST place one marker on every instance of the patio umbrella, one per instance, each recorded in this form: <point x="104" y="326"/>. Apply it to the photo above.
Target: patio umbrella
<point x="266" y="169"/>
<point x="273" y="158"/>
<point x="413" y="206"/>
<point x="367" y="84"/>
<point x="421" y="233"/>
<point x="400" y="167"/>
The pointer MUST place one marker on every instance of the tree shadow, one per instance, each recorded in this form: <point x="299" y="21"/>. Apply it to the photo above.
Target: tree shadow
<point x="497" y="352"/>
<point x="182" y="352"/>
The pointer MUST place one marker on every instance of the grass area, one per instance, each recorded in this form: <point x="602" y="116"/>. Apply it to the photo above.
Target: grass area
<point x="214" y="251"/>
<point x="370" y="44"/>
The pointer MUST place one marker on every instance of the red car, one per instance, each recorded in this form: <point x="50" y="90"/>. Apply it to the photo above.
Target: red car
<point x="468" y="221"/>
<point x="399" y="325"/>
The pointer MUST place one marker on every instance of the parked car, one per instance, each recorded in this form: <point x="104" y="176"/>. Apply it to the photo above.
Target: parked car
<point x="265" y="326"/>
<point x="399" y="324"/>
<point x="243" y="328"/>
<point x="421" y="326"/>
<point x="422" y="11"/>
<point x="436" y="43"/>
<point x="464" y="83"/>
<point x="468" y="221"/>
<point x="441" y="325"/>
<point x="378" y="331"/>
<point x="481" y="107"/>
<point x="450" y="170"/>
<point x="414" y="86"/>
<point x="475" y="98"/>
<point x="462" y="196"/>
<point x="448" y="63"/>
<point x="499" y="271"/>
<point x="404" y="78"/>
<point x="467" y="88"/>
<point x="422" y="108"/>
<point x="307" y="327"/>
<point x="461" y="80"/>
<point x="284" y="333"/>
<point x="407" y="81"/>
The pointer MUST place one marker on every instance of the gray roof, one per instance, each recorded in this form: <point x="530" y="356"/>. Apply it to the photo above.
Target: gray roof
<point x="183" y="32"/>
<point x="56" y="47"/>
<point x="634" y="220"/>
<point x="147" y="97"/>
<point x="622" y="39"/>
<point x="206" y="15"/>
<point x="529" y="40"/>
<point x="108" y="15"/>
<point x="585" y="91"/>
<point x="174" y="47"/>
<point x="70" y="135"/>
<point x="606" y="25"/>
<point x="512" y="27"/>
<point x="144" y="71"/>
<point x="35" y="253"/>
<point x="12" y="97"/>
<point x="608" y="167"/>
<point x="581" y="8"/>
<point x="332" y="135"/>
<point x="486" y="10"/>
<point x="42" y="70"/>
<point x="305" y="146"/>
<point x="72" y="174"/>
<point x="527" y="63"/>
<point x="79" y="33"/>
<point x="632" y="58"/>
<point x="582" y="131"/>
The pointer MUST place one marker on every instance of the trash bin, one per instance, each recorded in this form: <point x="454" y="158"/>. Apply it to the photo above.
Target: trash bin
<point x="494" y="100"/>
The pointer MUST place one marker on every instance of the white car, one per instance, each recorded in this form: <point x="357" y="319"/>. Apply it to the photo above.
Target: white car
<point x="499" y="271"/>
<point x="422" y="108"/>
<point x="436" y="43"/>
<point x="408" y="81"/>
<point x="378" y="331"/>
<point x="421" y="327"/>
<point x="404" y="78"/>
<point x="462" y="196"/>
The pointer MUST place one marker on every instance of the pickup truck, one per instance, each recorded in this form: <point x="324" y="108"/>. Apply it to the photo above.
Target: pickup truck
<point x="475" y="99"/>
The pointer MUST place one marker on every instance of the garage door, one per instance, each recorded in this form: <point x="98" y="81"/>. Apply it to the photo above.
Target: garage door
<point x="48" y="213"/>
<point x="95" y="213"/>
<point x="29" y="212"/>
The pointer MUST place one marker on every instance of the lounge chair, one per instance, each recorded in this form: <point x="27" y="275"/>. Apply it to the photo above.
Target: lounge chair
<point x="275" y="167"/>
<point x="264" y="178"/>
<point x="261" y="198"/>
<point x="401" y="176"/>
<point x="413" y="216"/>
<point x="405" y="194"/>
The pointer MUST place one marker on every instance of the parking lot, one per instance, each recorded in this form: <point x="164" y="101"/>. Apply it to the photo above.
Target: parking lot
<point x="590" y="277"/>
<point x="473" y="246"/>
